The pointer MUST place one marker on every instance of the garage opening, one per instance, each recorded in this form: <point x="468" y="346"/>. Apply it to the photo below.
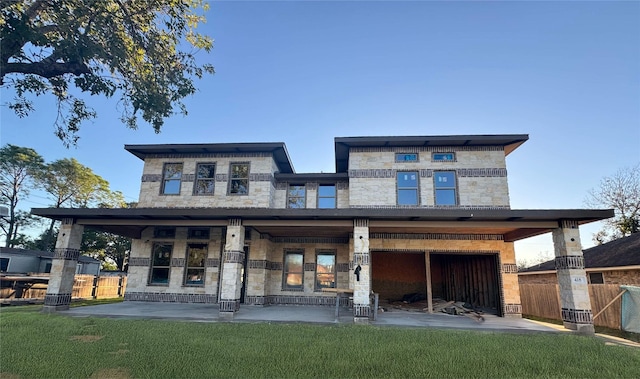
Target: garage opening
<point x="399" y="276"/>
<point x="472" y="279"/>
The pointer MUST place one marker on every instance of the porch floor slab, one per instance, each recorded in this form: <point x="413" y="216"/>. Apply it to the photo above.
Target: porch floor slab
<point x="300" y="314"/>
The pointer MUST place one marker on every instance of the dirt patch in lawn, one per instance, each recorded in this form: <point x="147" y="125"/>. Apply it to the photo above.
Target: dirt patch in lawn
<point x="112" y="373"/>
<point x="8" y="375"/>
<point x="86" y="338"/>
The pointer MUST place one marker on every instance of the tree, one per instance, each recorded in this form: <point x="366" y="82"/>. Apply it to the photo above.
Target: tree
<point x="621" y="192"/>
<point x="111" y="249"/>
<point x="142" y="50"/>
<point x="18" y="166"/>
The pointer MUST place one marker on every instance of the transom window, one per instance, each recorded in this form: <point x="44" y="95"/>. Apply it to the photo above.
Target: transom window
<point x="239" y="175"/>
<point x="205" y="179"/>
<point x="437" y="157"/>
<point x="296" y="196"/>
<point x="198" y="233"/>
<point x="325" y="270"/>
<point x="293" y="272"/>
<point x="164" y="232"/>
<point x="407" y="188"/>
<point x="171" y="178"/>
<point x="327" y="196"/>
<point x="406" y="157"/>
<point x="445" y="187"/>
<point x="161" y="263"/>
<point x="194" y="272"/>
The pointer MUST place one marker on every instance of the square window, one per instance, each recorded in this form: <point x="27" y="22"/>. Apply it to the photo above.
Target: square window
<point x="171" y="178"/>
<point x="239" y="179"/>
<point x="293" y="272"/>
<point x="445" y="187"/>
<point x="407" y="188"/>
<point x="205" y="179"/>
<point x="296" y="197"/>
<point x="446" y="157"/>
<point x="196" y="256"/>
<point x="160" y="264"/>
<point x="327" y="196"/>
<point x="325" y="270"/>
<point x="596" y="278"/>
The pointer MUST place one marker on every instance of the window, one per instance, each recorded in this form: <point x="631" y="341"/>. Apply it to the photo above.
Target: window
<point x="4" y="264"/>
<point x="596" y="278"/>
<point x="406" y="157"/>
<point x="194" y="272"/>
<point x="325" y="270"/>
<point x="198" y="233"/>
<point x="407" y="188"/>
<point x="205" y="179"/>
<point x="171" y="178"/>
<point x="327" y="196"/>
<point x="160" y="263"/>
<point x="293" y="271"/>
<point x="445" y="186"/>
<point x="296" y="197"/>
<point x="164" y="232"/>
<point x="437" y="157"/>
<point x="239" y="183"/>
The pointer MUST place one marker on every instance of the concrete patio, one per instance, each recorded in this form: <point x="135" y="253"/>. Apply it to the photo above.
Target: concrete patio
<point x="302" y="314"/>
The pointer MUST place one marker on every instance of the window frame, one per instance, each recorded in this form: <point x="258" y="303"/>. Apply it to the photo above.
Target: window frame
<point x="434" y="154"/>
<point x="286" y="271"/>
<point x="202" y="268"/>
<point x="165" y="180"/>
<point x="453" y="188"/>
<point x="333" y="272"/>
<point x="416" y="188"/>
<point x="303" y="197"/>
<point x="232" y="179"/>
<point x="596" y="273"/>
<point x="212" y="179"/>
<point x="153" y="266"/>
<point x="334" y="197"/>
<point x="404" y="155"/>
<point x="166" y="232"/>
<point x="193" y="233"/>
<point x="4" y="262"/>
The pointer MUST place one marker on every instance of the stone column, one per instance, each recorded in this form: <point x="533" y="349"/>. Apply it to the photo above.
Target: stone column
<point x="233" y="259"/>
<point x="361" y="271"/>
<point x="63" y="267"/>
<point x="574" y="292"/>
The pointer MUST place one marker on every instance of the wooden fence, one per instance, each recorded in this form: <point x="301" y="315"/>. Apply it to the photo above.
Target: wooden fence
<point x="84" y="287"/>
<point x="543" y="300"/>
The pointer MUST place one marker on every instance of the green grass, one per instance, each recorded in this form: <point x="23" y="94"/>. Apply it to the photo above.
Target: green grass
<point x="37" y="345"/>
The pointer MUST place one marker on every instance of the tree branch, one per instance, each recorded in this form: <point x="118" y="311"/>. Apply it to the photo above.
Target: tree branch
<point x="45" y="69"/>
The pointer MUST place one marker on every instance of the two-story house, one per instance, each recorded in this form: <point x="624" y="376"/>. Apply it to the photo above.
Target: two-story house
<point x="234" y="224"/>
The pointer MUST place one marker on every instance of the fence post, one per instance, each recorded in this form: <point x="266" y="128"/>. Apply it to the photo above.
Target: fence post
<point x="94" y="288"/>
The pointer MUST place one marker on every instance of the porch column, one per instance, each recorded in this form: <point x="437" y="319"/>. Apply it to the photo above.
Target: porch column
<point x="63" y="267"/>
<point x="232" y="258"/>
<point x="574" y="292"/>
<point x="361" y="271"/>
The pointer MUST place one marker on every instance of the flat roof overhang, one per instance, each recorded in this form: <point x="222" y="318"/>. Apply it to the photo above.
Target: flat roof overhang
<point x="512" y="224"/>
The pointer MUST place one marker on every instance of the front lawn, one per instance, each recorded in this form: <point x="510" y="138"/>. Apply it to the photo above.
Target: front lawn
<point x="37" y="345"/>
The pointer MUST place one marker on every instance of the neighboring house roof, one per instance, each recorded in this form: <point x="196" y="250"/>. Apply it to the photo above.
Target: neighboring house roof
<point x="278" y="149"/>
<point x="42" y="254"/>
<point x="617" y="253"/>
<point x="342" y="144"/>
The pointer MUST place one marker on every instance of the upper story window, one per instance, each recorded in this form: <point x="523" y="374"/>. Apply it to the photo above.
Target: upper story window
<point x="407" y="182"/>
<point x="445" y="187"/>
<point x="293" y="273"/>
<point x="296" y="196"/>
<point x="205" y="179"/>
<point x="239" y="179"/>
<point x="443" y="157"/>
<point x="171" y="178"/>
<point x="327" y="196"/>
<point x="406" y="157"/>
<point x="161" y="263"/>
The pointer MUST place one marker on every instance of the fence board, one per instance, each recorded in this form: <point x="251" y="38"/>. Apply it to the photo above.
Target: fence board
<point x="601" y="295"/>
<point x="84" y="286"/>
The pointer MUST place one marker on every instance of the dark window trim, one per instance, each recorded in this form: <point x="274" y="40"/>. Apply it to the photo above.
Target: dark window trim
<point x="229" y="184"/>
<point x="335" y="198"/>
<point x="164" y="166"/>
<point x="404" y="160"/>
<point x="601" y="276"/>
<point x="191" y="236"/>
<point x="455" y="189"/>
<point x="213" y="179"/>
<point x="286" y="287"/>
<point x="335" y="268"/>
<point x="304" y="198"/>
<point x="417" y="188"/>
<point x="152" y="266"/>
<point x="187" y="267"/>
<point x="443" y="160"/>
<point x="6" y="266"/>
<point x="157" y="231"/>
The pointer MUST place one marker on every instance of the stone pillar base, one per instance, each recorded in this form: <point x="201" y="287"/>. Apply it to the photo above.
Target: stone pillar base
<point x="54" y="308"/>
<point x="585" y="329"/>
<point x="361" y="320"/>
<point x="512" y="315"/>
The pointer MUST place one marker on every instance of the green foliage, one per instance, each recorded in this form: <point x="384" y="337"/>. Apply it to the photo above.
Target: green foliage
<point x="143" y="51"/>
<point x="73" y="185"/>
<point x="112" y="250"/>
<point x="85" y="347"/>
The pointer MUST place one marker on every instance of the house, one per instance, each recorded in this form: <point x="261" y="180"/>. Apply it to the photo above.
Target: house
<point x="615" y="262"/>
<point x="24" y="261"/>
<point x="234" y="224"/>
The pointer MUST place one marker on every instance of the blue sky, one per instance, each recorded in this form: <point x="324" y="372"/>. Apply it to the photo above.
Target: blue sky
<point x="304" y="72"/>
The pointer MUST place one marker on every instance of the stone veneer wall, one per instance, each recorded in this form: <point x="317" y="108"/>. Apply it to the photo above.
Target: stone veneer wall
<point x="481" y="175"/>
<point x="260" y="182"/>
